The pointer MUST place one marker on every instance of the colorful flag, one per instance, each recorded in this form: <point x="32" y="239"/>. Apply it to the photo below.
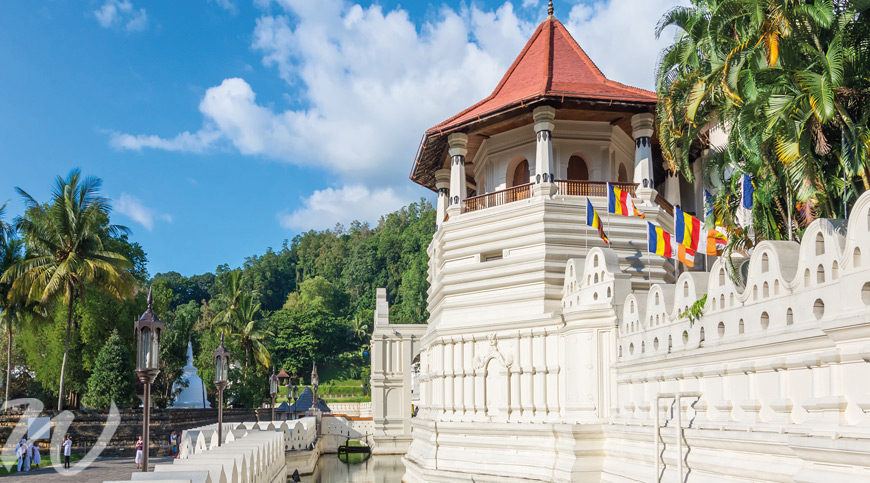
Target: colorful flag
<point x="687" y="228"/>
<point x="593" y="220"/>
<point x="620" y="202"/>
<point x="714" y="242"/>
<point x="686" y="256"/>
<point x="661" y="242"/>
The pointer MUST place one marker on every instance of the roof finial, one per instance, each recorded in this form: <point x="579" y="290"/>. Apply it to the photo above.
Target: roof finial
<point x="550" y="8"/>
<point x="150" y="298"/>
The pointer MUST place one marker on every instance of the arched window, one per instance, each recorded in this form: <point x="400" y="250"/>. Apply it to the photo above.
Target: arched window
<point x="622" y="177"/>
<point x="577" y="169"/>
<point x="520" y="174"/>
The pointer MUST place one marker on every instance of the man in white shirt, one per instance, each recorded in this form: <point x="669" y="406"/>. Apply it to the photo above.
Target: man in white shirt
<point x="67" y="447"/>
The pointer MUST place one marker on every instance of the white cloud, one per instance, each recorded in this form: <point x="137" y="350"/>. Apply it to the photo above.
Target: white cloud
<point x="132" y="207"/>
<point x="227" y="5"/>
<point x="324" y="208"/>
<point x="370" y="82"/>
<point x="619" y="36"/>
<point x="114" y="13"/>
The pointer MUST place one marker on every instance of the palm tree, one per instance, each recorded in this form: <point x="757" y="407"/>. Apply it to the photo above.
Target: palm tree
<point x="65" y="252"/>
<point x="229" y="299"/>
<point x="11" y="251"/>
<point x="250" y="331"/>
<point x="359" y="328"/>
<point x="787" y="80"/>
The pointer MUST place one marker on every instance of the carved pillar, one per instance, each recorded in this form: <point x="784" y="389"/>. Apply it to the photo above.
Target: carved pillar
<point x="672" y="188"/>
<point x="513" y="372"/>
<point x="448" y="377"/>
<point x="642" y="130"/>
<point x="442" y="183"/>
<point x="458" y="143"/>
<point x="468" y="378"/>
<point x="539" y="363"/>
<point x="552" y="388"/>
<point x="526" y="374"/>
<point x="459" y="379"/>
<point x="544" y="162"/>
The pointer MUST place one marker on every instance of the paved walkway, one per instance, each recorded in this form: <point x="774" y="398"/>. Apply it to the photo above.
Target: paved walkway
<point x="103" y="469"/>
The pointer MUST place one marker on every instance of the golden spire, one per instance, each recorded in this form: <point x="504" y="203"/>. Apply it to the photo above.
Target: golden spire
<point x="550" y="8"/>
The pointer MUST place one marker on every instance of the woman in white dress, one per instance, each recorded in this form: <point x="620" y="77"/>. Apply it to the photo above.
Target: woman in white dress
<point x="37" y="458"/>
<point x="67" y="449"/>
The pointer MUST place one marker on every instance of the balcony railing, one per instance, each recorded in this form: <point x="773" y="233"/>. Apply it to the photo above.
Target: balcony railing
<point x="497" y="198"/>
<point x="665" y="205"/>
<point x="591" y="188"/>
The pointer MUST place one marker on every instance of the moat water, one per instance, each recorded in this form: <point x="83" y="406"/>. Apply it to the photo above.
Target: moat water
<point x="372" y="469"/>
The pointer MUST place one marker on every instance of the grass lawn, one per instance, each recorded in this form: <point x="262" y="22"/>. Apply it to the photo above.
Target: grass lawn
<point x="46" y="462"/>
<point x="354" y="399"/>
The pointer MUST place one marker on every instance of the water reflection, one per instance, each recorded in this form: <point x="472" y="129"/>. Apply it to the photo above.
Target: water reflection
<point x="375" y="469"/>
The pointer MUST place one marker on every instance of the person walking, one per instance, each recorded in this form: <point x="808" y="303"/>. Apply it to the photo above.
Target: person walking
<point x="67" y="449"/>
<point x="20" y="449"/>
<point x="172" y="446"/>
<point x="37" y="458"/>
<point x="139" y="453"/>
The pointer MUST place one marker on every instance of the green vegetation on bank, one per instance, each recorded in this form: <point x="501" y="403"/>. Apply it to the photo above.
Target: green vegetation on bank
<point x="310" y="300"/>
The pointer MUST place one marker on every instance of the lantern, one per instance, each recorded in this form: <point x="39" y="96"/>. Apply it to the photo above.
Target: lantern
<point x="273" y="383"/>
<point x="221" y="365"/>
<point x="148" y="331"/>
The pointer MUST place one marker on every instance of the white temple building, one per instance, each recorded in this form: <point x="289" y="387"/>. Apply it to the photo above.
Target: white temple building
<point x="192" y="396"/>
<point x="550" y="356"/>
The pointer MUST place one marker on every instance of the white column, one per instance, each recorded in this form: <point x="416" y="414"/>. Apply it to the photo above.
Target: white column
<point x="468" y="379"/>
<point x="526" y="384"/>
<point x="642" y="130"/>
<point x="459" y="380"/>
<point x="539" y="361"/>
<point x="544" y="162"/>
<point x="672" y="188"/>
<point x="448" y="378"/>
<point x="513" y="372"/>
<point x="442" y="183"/>
<point x="457" y="143"/>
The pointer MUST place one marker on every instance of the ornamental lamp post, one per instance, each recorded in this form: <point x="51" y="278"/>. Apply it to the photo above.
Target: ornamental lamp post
<point x="147" y="331"/>
<point x="221" y="378"/>
<point x="273" y="390"/>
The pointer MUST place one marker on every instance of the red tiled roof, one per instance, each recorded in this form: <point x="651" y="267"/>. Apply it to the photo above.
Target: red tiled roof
<point x="550" y="65"/>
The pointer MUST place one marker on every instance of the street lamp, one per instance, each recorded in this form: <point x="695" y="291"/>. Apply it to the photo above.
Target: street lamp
<point x="273" y="390"/>
<point x="221" y="377"/>
<point x="147" y="331"/>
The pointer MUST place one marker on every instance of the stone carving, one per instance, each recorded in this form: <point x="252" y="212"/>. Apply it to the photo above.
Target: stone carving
<point x="493" y="353"/>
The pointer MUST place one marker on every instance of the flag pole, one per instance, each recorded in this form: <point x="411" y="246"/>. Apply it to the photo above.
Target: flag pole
<point x="607" y="196"/>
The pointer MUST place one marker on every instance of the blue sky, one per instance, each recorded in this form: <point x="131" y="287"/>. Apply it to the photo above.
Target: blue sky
<point x="223" y="127"/>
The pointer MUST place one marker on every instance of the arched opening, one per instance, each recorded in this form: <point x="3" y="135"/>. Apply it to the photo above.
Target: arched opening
<point x="765" y="320"/>
<point x="835" y="270"/>
<point x="703" y="337"/>
<point x="819" y="308"/>
<point x="765" y="290"/>
<point x="519" y="175"/>
<point x="820" y="244"/>
<point x="670" y="343"/>
<point x="577" y="169"/>
<point x="820" y="274"/>
<point x="856" y="260"/>
<point x="656" y="343"/>
<point x="622" y="177"/>
<point x="807" y="277"/>
<point x="685" y="337"/>
<point x="721" y="329"/>
<point x="740" y="327"/>
<point x="789" y="317"/>
<point x="722" y="278"/>
<point x="865" y="293"/>
<point x="765" y="264"/>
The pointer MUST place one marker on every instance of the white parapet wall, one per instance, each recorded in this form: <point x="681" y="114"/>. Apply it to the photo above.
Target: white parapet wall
<point x="250" y="452"/>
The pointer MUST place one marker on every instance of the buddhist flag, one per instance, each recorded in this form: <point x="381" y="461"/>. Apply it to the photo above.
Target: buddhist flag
<point x="687" y="228"/>
<point x="714" y="242"/>
<point x="686" y="256"/>
<point x="661" y="242"/>
<point x="593" y="220"/>
<point x="620" y="202"/>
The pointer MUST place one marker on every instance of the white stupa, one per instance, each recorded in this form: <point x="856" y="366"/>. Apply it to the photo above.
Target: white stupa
<point x="192" y="396"/>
